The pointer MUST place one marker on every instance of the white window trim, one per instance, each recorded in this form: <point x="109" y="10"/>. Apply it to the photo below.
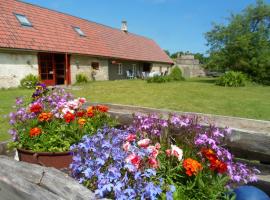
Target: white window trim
<point x="120" y="69"/>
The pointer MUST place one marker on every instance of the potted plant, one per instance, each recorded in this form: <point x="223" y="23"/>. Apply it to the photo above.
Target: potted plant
<point x="44" y="129"/>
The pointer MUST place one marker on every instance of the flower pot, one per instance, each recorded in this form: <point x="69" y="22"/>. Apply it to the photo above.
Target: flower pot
<point x="58" y="160"/>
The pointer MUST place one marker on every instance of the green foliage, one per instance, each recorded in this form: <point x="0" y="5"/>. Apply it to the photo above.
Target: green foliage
<point x="232" y="79"/>
<point x="167" y="52"/>
<point x="81" y="78"/>
<point x="158" y="79"/>
<point x="243" y="44"/>
<point x="29" y="82"/>
<point x="176" y="74"/>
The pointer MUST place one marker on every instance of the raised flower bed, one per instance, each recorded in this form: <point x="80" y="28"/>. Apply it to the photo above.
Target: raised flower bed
<point x="46" y="125"/>
<point x="144" y="161"/>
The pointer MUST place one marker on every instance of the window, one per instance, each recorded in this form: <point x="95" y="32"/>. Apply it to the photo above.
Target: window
<point x="79" y="31"/>
<point x="23" y="20"/>
<point x="120" y="69"/>
<point x="95" y="65"/>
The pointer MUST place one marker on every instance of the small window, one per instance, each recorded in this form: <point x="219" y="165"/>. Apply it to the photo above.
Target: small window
<point x="95" y="65"/>
<point x="120" y="69"/>
<point x="79" y="31"/>
<point x="23" y="20"/>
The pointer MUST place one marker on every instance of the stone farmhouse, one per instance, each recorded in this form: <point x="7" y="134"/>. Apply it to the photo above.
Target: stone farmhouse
<point x="57" y="46"/>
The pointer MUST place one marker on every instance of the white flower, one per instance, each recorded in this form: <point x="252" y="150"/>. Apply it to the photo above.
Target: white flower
<point x="177" y="152"/>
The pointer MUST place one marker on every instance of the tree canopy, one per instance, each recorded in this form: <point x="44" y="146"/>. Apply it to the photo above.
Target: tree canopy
<point x="243" y="44"/>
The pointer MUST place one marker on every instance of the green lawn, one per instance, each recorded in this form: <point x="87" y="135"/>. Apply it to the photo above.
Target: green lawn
<point x="195" y="95"/>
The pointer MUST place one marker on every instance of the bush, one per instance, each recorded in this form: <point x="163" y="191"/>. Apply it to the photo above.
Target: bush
<point x="232" y="79"/>
<point x="81" y="78"/>
<point x="158" y="79"/>
<point x="176" y="74"/>
<point x="30" y="81"/>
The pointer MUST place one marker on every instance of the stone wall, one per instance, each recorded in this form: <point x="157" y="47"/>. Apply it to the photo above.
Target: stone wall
<point x="161" y="67"/>
<point x="190" y="66"/>
<point x="82" y="64"/>
<point x="15" y="65"/>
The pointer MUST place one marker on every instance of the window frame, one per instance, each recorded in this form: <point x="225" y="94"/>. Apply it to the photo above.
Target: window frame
<point x="95" y="65"/>
<point x="134" y="69"/>
<point x="24" y="24"/>
<point x="79" y="31"/>
<point x="120" y="69"/>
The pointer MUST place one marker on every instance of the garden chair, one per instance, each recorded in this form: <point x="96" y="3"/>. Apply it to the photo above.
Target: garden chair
<point x="129" y="75"/>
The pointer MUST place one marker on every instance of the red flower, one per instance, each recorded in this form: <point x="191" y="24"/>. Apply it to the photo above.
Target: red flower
<point x="134" y="159"/>
<point x="153" y="162"/>
<point x="69" y="117"/>
<point x="131" y="137"/>
<point x="36" y="108"/>
<point x="35" y="132"/>
<point x="80" y="113"/>
<point x="209" y="154"/>
<point x="102" y="108"/>
<point x="219" y="166"/>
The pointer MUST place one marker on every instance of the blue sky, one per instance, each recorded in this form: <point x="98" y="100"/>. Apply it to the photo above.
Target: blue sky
<point x="176" y="25"/>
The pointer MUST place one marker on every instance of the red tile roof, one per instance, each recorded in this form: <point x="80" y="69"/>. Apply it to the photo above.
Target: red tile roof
<point x="52" y="31"/>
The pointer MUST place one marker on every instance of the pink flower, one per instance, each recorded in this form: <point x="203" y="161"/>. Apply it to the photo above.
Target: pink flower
<point x="134" y="159"/>
<point x="177" y="152"/>
<point x="131" y="137"/>
<point x="168" y="152"/>
<point x="126" y="146"/>
<point x="153" y="151"/>
<point x="144" y="143"/>
<point x="153" y="162"/>
<point x="82" y="100"/>
<point x="157" y="145"/>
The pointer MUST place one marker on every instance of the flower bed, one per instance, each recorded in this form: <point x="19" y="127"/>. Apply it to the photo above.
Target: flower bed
<point x="144" y="161"/>
<point x="53" y="120"/>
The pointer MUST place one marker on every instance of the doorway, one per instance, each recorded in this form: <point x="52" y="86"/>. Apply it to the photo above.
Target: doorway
<point x="54" y="69"/>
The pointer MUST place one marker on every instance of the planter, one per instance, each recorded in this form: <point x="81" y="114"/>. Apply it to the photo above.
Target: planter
<point x="58" y="160"/>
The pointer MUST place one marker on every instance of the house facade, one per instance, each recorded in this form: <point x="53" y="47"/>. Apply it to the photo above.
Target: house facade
<point x="56" y="47"/>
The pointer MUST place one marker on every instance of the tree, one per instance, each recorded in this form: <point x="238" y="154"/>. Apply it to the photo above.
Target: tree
<point x="243" y="44"/>
<point x="167" y="52"/>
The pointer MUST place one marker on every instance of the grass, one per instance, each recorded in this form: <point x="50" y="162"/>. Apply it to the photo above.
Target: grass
<point x="194" y="95"/>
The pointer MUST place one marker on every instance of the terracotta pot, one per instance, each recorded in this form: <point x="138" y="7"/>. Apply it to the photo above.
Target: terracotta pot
<point x="59" y="160"/>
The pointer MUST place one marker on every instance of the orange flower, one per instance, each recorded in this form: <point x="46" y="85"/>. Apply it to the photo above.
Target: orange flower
<point x="45" y="117"/>
<point x="90" y="111"/>
<point x="35" y="132"/>
<point x="69" y="117"/>
<point x="192" y="166"/>
<point x="209" y="154"/>
<point x="81" y="121"/>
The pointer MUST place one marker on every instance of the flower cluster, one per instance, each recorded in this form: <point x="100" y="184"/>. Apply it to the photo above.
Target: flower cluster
<point x="53" y="120"/>
<point x="151" y="124"/>
<point x="192" y="166"/>
<point x="211" y="142"/>
<point x="117" y="164"/>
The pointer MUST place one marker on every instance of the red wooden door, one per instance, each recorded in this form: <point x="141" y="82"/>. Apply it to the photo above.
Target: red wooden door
<point x="46" y="68"/>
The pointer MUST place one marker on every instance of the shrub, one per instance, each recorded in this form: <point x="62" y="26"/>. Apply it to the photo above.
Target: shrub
<point x="81" y="78"/>
<point x="158" y="79"/>
<point x="176" y="74"/>
<point x="30" y="81"/>
<point x="232" y="79"/>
